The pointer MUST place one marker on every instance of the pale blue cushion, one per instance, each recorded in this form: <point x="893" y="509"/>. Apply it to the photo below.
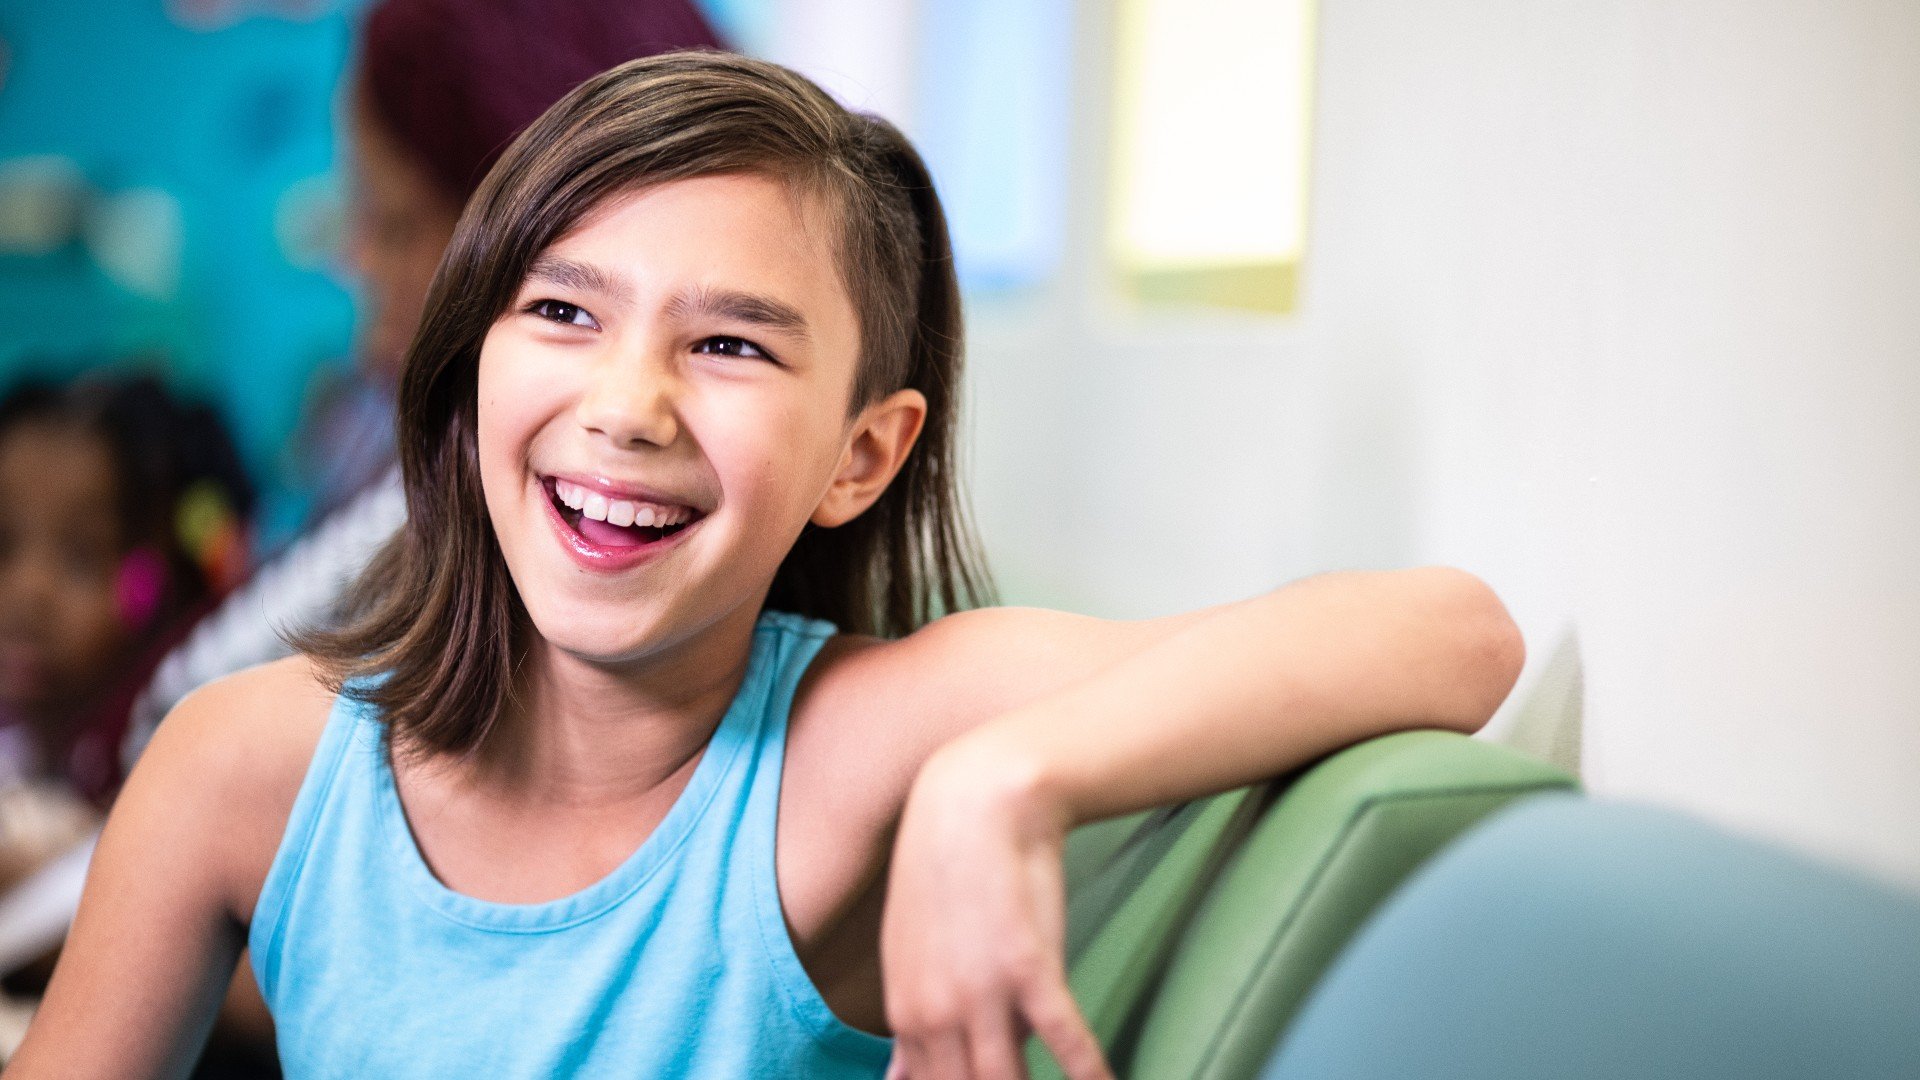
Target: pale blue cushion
<point x="1568" y="939"/>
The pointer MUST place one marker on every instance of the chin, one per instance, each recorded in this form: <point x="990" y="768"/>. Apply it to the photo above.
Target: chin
<point x="604" y="633"/>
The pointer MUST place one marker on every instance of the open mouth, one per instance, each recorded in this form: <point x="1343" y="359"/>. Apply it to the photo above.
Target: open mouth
<point x="616" y="524"/>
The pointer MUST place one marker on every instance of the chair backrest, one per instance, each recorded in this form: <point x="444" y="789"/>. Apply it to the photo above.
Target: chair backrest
<point x="1132" y="884"/>
<point x="1570" y="939"/>
<point x="1194" y="933"/>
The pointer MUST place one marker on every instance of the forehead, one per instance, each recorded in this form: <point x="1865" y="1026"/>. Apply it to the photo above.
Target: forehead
<point x="84" y="457"/>
<point x="743" y="231"/>
<point x="33" y="451"/>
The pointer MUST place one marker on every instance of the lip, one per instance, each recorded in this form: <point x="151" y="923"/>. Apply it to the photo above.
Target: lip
<point x="592" y="557"/>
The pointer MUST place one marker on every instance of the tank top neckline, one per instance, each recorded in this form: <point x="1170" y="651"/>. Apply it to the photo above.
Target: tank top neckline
<point x="737" y="731"/>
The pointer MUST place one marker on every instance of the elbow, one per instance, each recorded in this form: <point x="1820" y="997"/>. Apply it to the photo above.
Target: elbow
<point x="1492" y="650"/>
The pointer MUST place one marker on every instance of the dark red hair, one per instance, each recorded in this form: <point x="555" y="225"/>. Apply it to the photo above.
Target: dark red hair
<point x="453" y="81"/>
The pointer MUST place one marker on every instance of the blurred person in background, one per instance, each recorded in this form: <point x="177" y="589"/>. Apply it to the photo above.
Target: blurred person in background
<point x="123" y="517"/>
<point x="439" y="88"/>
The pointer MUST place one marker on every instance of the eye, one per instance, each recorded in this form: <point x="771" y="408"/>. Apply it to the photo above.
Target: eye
<point x="559" y="311"/>
<point x="732" y="346"/>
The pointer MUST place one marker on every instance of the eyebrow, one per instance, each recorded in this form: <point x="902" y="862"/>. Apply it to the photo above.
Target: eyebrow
<point x="729" y="304"/>
<point x="578" y="275"/>
<point x="736" y="306"/>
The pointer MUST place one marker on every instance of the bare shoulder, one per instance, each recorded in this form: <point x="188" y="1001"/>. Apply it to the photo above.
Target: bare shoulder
<point x="250" y="728"/>
<point x="236" y="751"/>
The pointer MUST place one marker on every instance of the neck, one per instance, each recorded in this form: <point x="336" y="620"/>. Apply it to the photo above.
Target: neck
<point x="582" y="733"/>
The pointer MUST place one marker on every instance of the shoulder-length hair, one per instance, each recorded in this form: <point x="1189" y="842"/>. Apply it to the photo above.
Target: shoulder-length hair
<point x="436" y="615"/>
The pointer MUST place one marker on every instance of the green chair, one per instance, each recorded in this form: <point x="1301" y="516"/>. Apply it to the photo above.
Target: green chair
<point x="1194" y="932"/>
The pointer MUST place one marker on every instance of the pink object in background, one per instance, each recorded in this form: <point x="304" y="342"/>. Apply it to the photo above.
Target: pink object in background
<point x="143" y="580"/>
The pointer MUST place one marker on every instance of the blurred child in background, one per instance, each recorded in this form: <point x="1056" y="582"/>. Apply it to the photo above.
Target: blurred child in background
<point x="123" y="516"/>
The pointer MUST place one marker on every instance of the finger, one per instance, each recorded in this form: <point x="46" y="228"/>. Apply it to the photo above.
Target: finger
<point x="993" y="1047"/>
<point x="940" y="1055"/>
<point x="1057" y="1020"/>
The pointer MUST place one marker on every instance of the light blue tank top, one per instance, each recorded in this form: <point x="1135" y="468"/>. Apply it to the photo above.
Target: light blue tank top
<point x="677" y="964"/>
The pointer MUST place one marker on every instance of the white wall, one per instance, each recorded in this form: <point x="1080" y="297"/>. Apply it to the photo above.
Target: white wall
<point x="1615" y="304"/>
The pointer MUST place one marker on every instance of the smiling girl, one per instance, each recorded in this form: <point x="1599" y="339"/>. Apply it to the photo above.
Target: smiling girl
<point x="646" y="755"/>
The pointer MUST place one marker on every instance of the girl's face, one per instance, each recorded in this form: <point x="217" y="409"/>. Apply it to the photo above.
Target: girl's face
<point x="664" y="406"/>
<point x="61" y="630"/>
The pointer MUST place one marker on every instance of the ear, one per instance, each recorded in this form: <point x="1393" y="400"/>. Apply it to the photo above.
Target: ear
<point x="881" y="436"/>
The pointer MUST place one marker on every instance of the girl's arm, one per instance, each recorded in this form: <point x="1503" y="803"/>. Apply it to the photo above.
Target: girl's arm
<point x="971" y="945"/>
<point x="161" y="922"/>
<point x="1247" y="691"/>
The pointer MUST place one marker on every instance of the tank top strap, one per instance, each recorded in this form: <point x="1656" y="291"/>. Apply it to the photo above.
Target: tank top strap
<point x="799" y="642"/>
<point x="793" y="641"/>
<point x="350" y="721"/>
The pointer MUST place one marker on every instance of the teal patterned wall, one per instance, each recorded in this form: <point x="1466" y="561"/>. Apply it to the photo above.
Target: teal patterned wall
<point x="167" y="190"/>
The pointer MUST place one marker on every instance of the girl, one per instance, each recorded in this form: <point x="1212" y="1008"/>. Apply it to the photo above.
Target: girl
<point x="677" y="434"/>
<point x="122" y="516"/>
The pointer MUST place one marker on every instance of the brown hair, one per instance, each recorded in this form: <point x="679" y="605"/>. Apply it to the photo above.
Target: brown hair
<point x="436" y="613"/>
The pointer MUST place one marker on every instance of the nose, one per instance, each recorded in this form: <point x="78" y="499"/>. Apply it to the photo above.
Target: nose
<point x="631" y="402"/>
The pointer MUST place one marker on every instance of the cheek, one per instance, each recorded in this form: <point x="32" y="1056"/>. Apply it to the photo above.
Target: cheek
<point x="399" y="300"/>
<point x="505" y="422"/>
<point x="90" y="630"/>
<point x="783" y="456"/>
<point x="513" y="402"/>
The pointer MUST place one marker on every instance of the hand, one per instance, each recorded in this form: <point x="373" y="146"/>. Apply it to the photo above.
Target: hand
<point x="972" y="940"/>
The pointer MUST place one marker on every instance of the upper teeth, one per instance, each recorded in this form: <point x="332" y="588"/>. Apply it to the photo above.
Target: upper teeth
<point x="619" y="511"/>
